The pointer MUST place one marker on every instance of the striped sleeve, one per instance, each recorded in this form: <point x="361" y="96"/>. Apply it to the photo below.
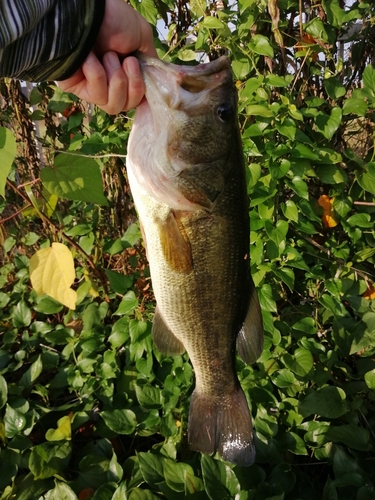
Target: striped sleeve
<point x="47" y="39"/>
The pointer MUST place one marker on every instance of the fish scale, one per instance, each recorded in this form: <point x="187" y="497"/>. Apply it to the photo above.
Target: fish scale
<point x="189" y="187"/>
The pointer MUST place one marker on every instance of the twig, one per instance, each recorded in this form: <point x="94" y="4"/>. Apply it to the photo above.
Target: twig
<point x="109" y="155"/>
<point x="364" y="275"/>
<point x="15" y="213"/>
<point x="365" y="203"/>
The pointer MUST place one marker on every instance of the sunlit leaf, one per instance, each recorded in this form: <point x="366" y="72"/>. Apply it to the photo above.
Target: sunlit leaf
<point x="63" y="431"/>
<point x="52" y="272"/>
<point x="75" y="178"/>
<point x="7" y="153"/>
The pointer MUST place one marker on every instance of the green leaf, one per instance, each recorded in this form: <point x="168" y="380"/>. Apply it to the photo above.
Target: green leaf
<point x="369" y="379"/>
<point x="149" y="396"/>
<point x="147" y="10"/>
<point x="8" y="149"/>
<point x="49" y="459"/>
<point x="367" y="179"/>
<point x="61" y="492"/>
<point x="354" y="106"/>
<point x="286" y="275"/>
<point x="212" y="23"/>
<point x="47" y="305"/>
<point x="369" y="77"/>
<point x="75" y="178"/>
<point x="141" y="494"/>
<point x="335" y="14"/>
<point x="329" y="124"/>
<point x="360" y="220"/>
<point x="175" y="474"/>
<point x="259" y="110"/>
<point x="306" y="325"/>
<point x="14" y="421"/>
<point x="127" y="305"/>
<point x="301" y="362"/>
<point x="120" y="283"/>
<point x="278" y="81"/>
<point x="198" y="7"/>
<point x="331" y="174"/>
<point x="186" y="55"/>
<point x="334" y="88"/>
<point x="8" y="473"/>
<point x="31" y="375"/>
<point x="287" y="128"/>
<point x="21" y="315"/>
<point x="353" y="436"/>
<point x="266" y="299"/>
<point x="278" y="233"/>
<point x="329" y="402"/>
<point x="299" y="186"/>
<point x="3" y="391"/>
<point x="284" y="379"/>
<point x="9" y="244"/>
<point x="261" y="45"/>
<point x="241" y="67"/>
<point x="151" y="466"/>
<point x="316" y="29"/>
<point x="120" y="421"/>
<point x="290" y="210"/>
<point x="214" y="478"/>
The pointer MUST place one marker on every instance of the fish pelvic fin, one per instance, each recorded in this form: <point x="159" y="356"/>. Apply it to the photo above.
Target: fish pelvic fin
<point x="175" y="245"/>
<point x="164" y="339"/>
<point x="250" y="337"/>
<point x="222" y="426"/>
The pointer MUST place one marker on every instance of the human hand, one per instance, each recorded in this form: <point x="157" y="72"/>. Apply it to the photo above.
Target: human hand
<point x="103" y="79"/>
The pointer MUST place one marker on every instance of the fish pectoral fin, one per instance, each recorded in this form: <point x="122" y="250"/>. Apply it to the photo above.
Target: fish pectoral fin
<point x="250" y="337"/>
<point x="175" y="244"/>
<point x="164" y="339"/>
<point x="223" y="426"/>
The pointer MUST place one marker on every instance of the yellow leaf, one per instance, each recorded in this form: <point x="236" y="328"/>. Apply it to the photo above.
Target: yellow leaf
<point x="52" y="272"/>
<point x="63" y="431"/>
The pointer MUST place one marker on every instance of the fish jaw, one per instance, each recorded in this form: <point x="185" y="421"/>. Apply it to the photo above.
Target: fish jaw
<point x="173" y="164"/>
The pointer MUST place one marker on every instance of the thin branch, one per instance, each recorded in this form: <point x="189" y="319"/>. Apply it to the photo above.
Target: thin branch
<point x="15" y="213"/>
<point x="361" y="273"/>
<point x="365" y="203"/>
<point x="109" y="155"/>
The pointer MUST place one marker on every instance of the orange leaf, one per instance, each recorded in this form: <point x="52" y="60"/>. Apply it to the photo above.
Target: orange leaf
<point x="328" y="217"/>
<point x="369" y="293"/>
<point x="86" y="494"/>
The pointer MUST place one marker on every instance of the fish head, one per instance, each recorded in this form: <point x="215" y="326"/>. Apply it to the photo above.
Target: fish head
<point x="190" y="121"/>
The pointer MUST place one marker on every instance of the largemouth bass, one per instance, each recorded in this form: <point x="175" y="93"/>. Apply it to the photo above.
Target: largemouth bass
<point x="187" y="176"/>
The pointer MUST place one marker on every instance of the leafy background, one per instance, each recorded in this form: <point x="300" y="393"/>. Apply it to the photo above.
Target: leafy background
<point x="88" y="407"/>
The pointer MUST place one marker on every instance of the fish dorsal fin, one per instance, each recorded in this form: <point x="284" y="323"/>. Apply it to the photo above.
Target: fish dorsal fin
<point x="175" y="244"/>
<point x="164" y="339"/>
<point x="250" y="337"/>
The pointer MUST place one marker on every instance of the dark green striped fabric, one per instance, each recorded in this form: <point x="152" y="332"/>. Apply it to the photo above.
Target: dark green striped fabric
<point x="47" y="39"/>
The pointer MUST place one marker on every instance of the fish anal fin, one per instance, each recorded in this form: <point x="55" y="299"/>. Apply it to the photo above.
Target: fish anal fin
<point x="164" y="339"/>
<point x="250" y="337"/>
<point x="223" y="426"/>
<point x="175" y="244"/>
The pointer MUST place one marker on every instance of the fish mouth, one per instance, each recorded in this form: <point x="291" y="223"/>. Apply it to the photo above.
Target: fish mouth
<point x="176" y="84"/>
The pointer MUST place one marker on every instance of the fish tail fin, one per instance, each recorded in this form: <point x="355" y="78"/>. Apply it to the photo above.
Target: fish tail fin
<point x="222" y="426"/>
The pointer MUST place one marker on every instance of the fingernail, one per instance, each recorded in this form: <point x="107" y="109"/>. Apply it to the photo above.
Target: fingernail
<point x="133" y="67"/>
<point x="90" y="58"/>
<point x="112" y="60"/>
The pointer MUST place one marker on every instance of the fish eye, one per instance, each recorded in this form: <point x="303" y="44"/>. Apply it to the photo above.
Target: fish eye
<point x="225" y="112"/>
